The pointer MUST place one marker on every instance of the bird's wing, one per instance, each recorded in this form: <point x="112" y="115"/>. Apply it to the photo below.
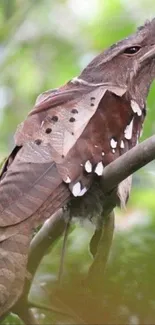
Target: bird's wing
<point x="45" y="143"/>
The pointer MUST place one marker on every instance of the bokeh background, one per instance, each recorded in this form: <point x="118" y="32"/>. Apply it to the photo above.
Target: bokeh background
<point x="44" y="43"/>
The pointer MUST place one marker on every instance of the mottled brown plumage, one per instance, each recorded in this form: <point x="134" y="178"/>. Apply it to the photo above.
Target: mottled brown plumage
<point x="70" y="135"/>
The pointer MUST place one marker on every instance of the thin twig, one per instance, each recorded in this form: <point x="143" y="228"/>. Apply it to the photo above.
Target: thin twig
<point x="62" y="257"/>
<point x="52" y="229"/>
<point x="41" y="306"/>
<point x="96" y="272"/>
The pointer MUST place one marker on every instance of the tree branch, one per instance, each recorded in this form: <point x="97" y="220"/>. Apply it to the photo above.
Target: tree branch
<point x="113" y="174"/>
<point x="45" y="238"/>
<point x="128" y="163"/>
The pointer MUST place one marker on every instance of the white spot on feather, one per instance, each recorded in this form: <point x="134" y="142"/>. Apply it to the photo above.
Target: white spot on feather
<point x="113" y="150"/>
<point x="135" y="107"/>
<point x="113" y="143"/>
<point x="99" y="169"/>
<point x="128" y="131"/>
<point x="122" y="144"/>
<point x="88" y="166"/>
<point x="76" y="189"/>
<point x="103" y="153"/>
<point x="84" y="190"/>
<point x="67" y="180"/>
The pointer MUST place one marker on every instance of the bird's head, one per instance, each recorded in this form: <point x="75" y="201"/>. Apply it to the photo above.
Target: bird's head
<point x="129" y="63"/>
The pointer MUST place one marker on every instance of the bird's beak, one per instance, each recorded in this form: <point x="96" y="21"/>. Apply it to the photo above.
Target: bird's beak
<point x="150" y="54"/>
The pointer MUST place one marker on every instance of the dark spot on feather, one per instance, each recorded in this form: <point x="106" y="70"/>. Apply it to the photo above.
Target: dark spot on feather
<point x="48" y="130"/>
<point x="72" y="119"/>
<point x="92" y="98"/>
<point x="38" y="142"/>
<point x="72" y="133"/>
<point x="74" y="111"/>
<point x="92" y="104"/>
<point x="62" y="156"/>
<point x="54" y="118"/>
<point x="115" y="139"/>
<point x="144" y="111"/>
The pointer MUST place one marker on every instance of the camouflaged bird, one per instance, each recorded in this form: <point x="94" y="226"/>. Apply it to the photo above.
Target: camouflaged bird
<point x="62" y="147"/>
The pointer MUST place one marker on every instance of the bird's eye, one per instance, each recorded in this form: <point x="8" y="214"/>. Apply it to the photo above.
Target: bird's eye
<point x="132" y="50"/>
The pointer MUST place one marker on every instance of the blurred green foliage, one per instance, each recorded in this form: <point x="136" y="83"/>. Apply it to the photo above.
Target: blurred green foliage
<point x="44" y="43"/>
